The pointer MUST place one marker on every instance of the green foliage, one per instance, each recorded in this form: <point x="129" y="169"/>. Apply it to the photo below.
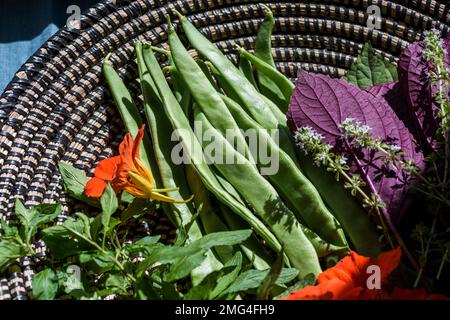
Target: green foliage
<point x="10" y="250"/>
<point x="370" y="69"/>
<point x="74" y="182"/>
<point x="91" y="245"/>
<point x="45" y="285"/>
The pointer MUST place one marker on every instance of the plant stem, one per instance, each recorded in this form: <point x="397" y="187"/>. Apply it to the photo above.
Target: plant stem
<point x="99" y="248"/>
<point x="427" y="249"/>
<point x="367" y="198"/>
<point x="441" y="266"/>
<point x="387" y="217"/>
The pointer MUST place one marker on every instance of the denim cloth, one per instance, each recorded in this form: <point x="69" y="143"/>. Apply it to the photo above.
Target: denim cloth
<point x="25" y="25"/>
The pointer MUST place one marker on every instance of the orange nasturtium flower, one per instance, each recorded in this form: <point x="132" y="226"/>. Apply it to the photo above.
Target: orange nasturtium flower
<point x="127" y="172"/>
<point x="347" y="280"/>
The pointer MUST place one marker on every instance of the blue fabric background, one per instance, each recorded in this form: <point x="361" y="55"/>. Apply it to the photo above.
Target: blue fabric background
<point x="25" y="25"/>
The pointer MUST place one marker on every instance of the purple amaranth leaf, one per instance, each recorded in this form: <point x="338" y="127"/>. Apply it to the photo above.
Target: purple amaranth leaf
<point x="324" y="103"/>
<point x="415" y="87"/>
<point x="391" y="93"/>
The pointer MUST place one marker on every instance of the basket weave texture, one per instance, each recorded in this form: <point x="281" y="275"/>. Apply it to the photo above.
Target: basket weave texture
<point x="58" y="108"/>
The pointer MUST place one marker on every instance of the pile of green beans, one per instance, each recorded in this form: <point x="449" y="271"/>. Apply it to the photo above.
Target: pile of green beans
<point x="299" y="210"/>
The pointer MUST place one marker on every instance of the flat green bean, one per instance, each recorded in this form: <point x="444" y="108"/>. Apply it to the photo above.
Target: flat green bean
<point x="205" y="68"/>
<point x="285" y="85"/>
<point x="172" y="176"/>
<point x="183" y="95"/>
<point x="263" y="50"/>
<point x="298" y="191"/>
<point x="353" y="218"/>
<point x="212" y="223"/>
<point x="204" y="93"/>
<point x="209" y="214"/>
<point x="191" y="146"/>
<point x="128" y="111"/>
<point x="267" y="203"/>
<point x="247" y="70"/>
<point x="264" y="111"/>
<point x="250" y="97"/>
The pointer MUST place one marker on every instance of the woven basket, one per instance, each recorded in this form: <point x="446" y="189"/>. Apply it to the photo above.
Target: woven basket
<point x="58" y="108"/>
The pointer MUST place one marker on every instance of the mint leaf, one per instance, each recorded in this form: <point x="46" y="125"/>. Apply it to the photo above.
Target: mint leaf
<point x="10" y="250"/>
<point x="8" y="230"/>
<point x="23" y="213"/>
<point x="43" y="214"/>
<point x="63" y="242"/>
<point x="118" y="283"/>
<point x="45" y="285"/>
<point x="98" y="262"/>
<point x="109" y="205"/>
<point x="214" y="284"/>
<point x="32" y="219"/>
<point x="252" y="279"/>
<point x="370" y="69"/>
<point x="203" y="290"/>
<point x="127" y="198"/>
<point x="137" y="208"/>
<point x="308" y="280"/>
<point x="271" y="278"/>
<point x="235" y="264"/>
<point x="74" y="182"/>
<point x="169" y="255"/>
<point x="183" y="266"/>
<point x="145" y="245"/>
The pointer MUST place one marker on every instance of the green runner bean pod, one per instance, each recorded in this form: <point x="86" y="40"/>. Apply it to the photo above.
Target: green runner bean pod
<point x="285" y="85"/>
<point x="172" y="176"/>
<point x="191" y="146"/>
<point x="267" y="203"/>
<point x="128" y="110"/>
<point x="263" y="50"/>
<point x="298" y="191"/>
<point x="204" y="93"/>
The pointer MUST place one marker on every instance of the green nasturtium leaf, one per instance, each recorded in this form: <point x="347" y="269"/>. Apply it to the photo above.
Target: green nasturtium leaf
<point x="45" y="285"/>
<point x="370" y="69"/>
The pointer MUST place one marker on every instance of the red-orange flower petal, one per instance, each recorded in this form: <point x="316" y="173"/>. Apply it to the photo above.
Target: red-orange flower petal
<point x="353" y="268"/>
<point x="106" y="169"/>
<point x="126" y="152"/>
<point x="95" y="187"/>
<point x="137" y="142"/>
<point x="334" y="289"/>
<point x="388" y="262"/>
